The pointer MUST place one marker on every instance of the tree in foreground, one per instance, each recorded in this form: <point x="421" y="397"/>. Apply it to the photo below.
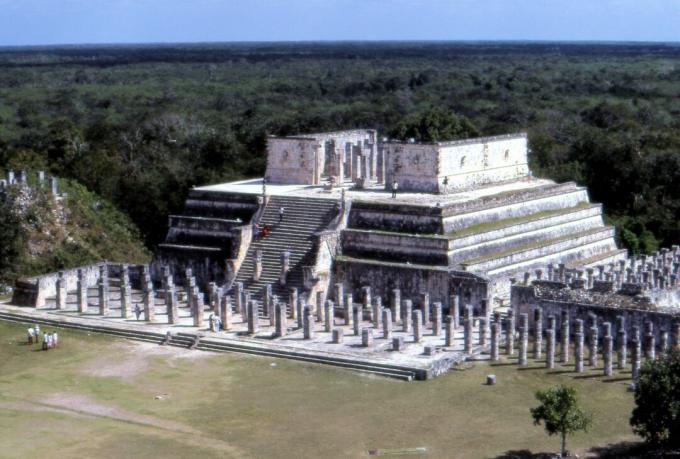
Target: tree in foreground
<point x="560" y="413"/>
<point x="656" y="416"/>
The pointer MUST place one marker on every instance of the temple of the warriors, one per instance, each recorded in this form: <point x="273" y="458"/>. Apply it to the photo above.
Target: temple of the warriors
<point x="324" y="261"/>
<point x="467" y="215"/>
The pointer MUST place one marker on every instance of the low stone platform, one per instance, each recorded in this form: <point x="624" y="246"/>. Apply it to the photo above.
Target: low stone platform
<point x="426" y="359"/>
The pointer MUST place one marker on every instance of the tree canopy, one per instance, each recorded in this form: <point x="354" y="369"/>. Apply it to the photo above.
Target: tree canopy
<point x="560" y="413"/>
<point x="656" y="416"/>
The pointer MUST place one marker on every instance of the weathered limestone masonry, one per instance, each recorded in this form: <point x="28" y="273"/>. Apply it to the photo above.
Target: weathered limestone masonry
<point x="392" y="237"/>
<point x="467" y="214"/>
<point x="606" y="306"/>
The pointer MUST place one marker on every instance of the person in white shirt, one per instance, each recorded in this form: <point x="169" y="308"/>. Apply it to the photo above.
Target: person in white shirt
<point x="31" y="335"/>
<point x="395" y="187"/>
<point x="55" y="339"/>
<point x="37" y="333"/>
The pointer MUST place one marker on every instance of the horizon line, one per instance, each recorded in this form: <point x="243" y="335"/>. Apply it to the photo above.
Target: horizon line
<point x="345" y="41"/>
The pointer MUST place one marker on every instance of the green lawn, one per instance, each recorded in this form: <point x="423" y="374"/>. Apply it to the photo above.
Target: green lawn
<point x="96" y="397"/>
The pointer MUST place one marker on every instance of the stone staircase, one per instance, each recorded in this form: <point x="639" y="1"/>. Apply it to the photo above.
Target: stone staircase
<point x="302" y="218"/>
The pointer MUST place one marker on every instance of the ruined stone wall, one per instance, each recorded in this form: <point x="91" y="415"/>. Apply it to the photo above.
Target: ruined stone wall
<point x="428" y="250"/>
<point x="415" y="167"/>
<point x="305" y="159"/>
<point x="293" y="160"/>
<point x="470" y="163"/>
<point x="465" y="163"/>
<point x="525" y="300"/>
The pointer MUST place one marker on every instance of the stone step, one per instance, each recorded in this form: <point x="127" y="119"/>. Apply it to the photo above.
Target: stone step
<point x="538" y="203"/>
<point x="514" y="255"/>
<point x="538" y="235"/>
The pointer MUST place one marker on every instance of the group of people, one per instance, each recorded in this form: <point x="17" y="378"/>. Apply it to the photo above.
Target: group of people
<point x="260" y="232"/>
<point x="49" y="340"/>
<point x="215" y="323"/>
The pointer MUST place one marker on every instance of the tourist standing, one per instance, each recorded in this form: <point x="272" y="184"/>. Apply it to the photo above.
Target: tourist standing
<point x="37" y="333"/>
<point x="55" y="339"/>
<point x="281" y="212"/>
<point x="395" y="187"/>
<point x="30" y="335"/>
<point x="44" y="342"/>
<point x="138" y="311"/>
<point x="446" y="184"/>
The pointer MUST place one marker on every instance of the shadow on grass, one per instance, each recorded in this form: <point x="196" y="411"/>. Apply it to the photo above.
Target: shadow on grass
<point x="632" y="450"/>
<point x="525" y="454"/>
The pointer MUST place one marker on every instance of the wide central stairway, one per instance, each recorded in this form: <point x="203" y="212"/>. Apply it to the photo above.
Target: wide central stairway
<point x="303" y="217"/>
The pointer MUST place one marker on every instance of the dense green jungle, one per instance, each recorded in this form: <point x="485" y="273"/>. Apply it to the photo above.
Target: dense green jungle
<point x="139" y="125"/>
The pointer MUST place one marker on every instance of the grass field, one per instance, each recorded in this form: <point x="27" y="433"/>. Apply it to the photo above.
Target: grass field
<point x="97" y="396"/>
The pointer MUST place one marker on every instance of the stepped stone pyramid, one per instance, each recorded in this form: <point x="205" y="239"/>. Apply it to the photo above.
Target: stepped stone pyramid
<point x="467" y="216"/>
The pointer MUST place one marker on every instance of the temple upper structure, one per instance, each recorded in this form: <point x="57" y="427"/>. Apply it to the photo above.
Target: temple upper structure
<point x="467" y="216"/>
<point x="357" y="158"/>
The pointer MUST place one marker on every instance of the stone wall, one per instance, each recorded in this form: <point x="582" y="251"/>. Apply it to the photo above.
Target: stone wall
<point x="428" y="250"/>
<point x="32" y="291"/>
<point x="524" y="300"/>
<point x="307" y="158"/>
<point x="465" y="164"/>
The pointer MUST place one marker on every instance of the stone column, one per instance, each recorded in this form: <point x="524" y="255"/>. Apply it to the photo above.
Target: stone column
<point x="366" y="337"/>
<point x="449" y="331"/>
<point x="238" y="297"/>
<point x="356" y="312"/>
<point x="676" y="335"/>
<point x="523" y="342"/>
<point x="53" y="186"/>
<point x="308" y="323"/>
<point x="650" y="347"/>
<point x="417" y="325"/>
<point x="339" y="294"/>
<point x="387" y="323"/>
<point x="301" y="303"/>
<point x="292" y="302"/>
<point x="592" y="346"/>
<point x="280" y="325"/>
<point x="398" y="343"/>
<point x="366" y="300"/>
<point x="407" y="311"/>
<point x="564" y="337"/>
<point x="267" y="303"/>
<point x="285" y="267"/>
<point x="61" y="291"/>
<point x="329" y="319"/>
<point x="664" y="344"/>
<point x="253" y="317"/>
<point x="607" y="350"/>
<point x="103" y="297"/>
<point x="338" y="335"/>
<point x="494" y="342"/>
<point x="455" y="310"/>
<point x="197" y="308"/>
<point x="170" y="305"/>
<point x="437" y="319"/>
<point x="538" y="333"/>
<point x="482" y="332"/>
<point x="637" y="353"/>
<point x="320" y="309"/>
<point x="510" y="333"/>
<point x="376" y="313"/>
<point x="349" y="309"/>
<point x="425" y="306"/>
<point x="578" y="352"/>
<point x="126" y="300"/>
<point x="257" y="271"/>
<point x="149" y="303"/>
<point x="395" y="304"/>
<point x="81" y="290"/>
<point x="621" y="344"/>
<point x="468" y="335"/>
<point x="550" y="348"/>
<point x="226" y="313"/>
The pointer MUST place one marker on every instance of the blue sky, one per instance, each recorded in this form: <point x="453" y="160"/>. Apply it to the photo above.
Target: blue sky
<point x="35" y="22"/>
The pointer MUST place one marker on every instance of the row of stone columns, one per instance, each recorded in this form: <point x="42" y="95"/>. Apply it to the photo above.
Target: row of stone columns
<point x="586" y="342"/>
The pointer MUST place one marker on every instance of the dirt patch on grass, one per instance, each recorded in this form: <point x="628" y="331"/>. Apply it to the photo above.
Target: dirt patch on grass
<point x="34" y="407"/>
<point x="134" y="358"/>
<point x="83" y="404"/>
